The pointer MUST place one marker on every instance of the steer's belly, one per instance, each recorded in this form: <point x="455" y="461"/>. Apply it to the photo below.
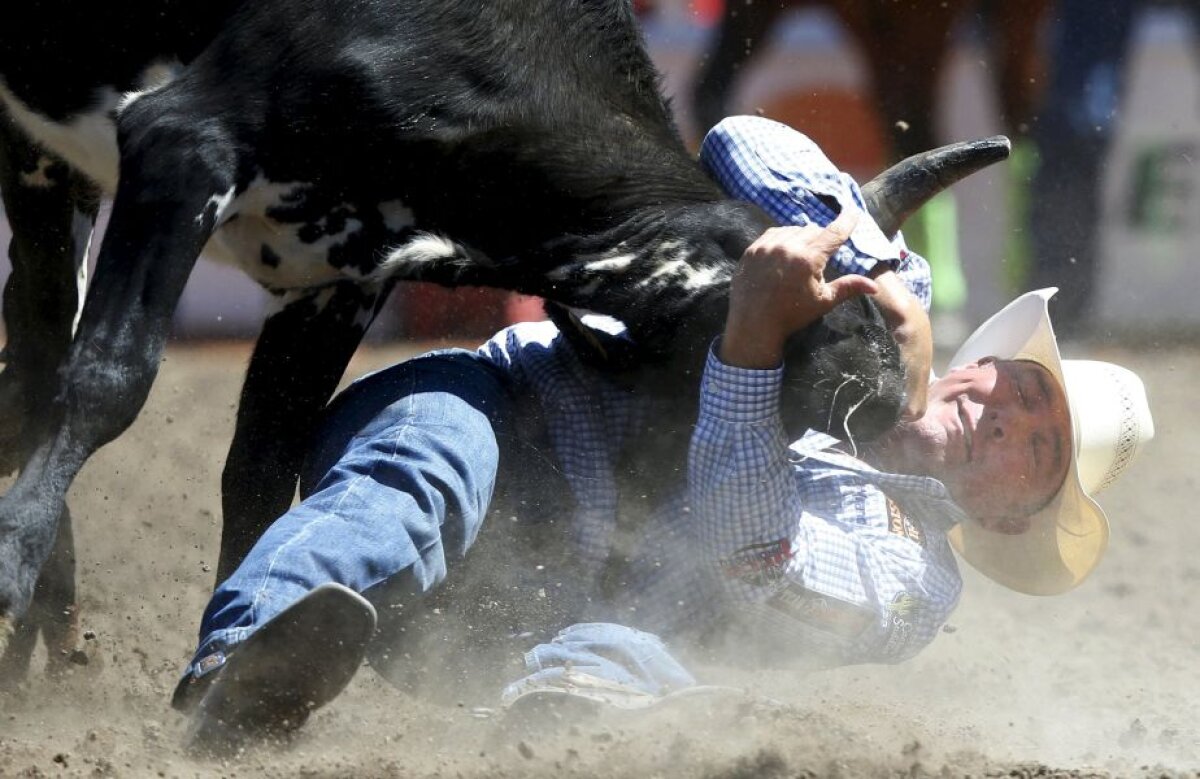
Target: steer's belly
<point x="273" y="256"/>
<point x="291" y="235"/>
<point x="295" y="235"/>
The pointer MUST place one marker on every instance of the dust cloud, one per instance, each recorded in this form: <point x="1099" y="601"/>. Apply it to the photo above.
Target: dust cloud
<point x="1101" y="682"/>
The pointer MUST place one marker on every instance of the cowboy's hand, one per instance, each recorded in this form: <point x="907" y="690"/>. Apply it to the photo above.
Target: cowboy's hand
<point x="909" y="325"/>
<point x="779" y="288"/>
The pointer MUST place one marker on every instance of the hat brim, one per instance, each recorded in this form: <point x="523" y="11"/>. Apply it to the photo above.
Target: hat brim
<point x="1067" y="538"/>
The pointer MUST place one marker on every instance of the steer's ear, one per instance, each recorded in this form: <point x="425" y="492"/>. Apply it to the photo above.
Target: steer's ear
<point x="894" y="195"/>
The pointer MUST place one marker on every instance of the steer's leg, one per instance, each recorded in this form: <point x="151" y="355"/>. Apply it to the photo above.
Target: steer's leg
<point x="54" y="607"/>
<point x="53" y="611"/>
<point x="51" y="210"/>
<point x="297" y="363"/>
<point x="177" y="169"/>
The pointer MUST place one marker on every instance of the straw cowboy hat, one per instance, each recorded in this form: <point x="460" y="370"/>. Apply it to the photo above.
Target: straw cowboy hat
<point x="1110" y="421"/>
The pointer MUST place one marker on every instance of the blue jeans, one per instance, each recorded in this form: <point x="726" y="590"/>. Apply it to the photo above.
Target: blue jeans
<point x="395" y="492"/>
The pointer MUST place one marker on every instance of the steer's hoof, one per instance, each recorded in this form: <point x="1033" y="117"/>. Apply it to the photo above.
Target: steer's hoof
<point x="14" y="655"/>
<point x="68" y="652"/>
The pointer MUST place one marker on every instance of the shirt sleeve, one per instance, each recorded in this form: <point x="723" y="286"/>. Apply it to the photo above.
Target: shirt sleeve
<point x="848" y="579"/>
<point x="787" y="175"/>
<point x="740" y="483"/>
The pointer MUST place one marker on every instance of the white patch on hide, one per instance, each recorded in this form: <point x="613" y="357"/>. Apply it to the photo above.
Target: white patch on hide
<point x="702" y="278"/>
<point x="83" y="229"/>
<point x="680" y="271"/>
<point x="218" y="205"/>
<point x="615" y="260"/>
<point x="128" y="99"/>
<point x="302" y="264"/>
<point x="670" y="268"/>
<point x="88" y="142"/>
<point x="422" y="249"/>
<point x="156" y="76"/>
<point x="610" y="264"/>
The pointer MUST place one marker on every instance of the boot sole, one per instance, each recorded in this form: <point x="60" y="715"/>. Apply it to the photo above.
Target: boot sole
<point x="293" y="665"/>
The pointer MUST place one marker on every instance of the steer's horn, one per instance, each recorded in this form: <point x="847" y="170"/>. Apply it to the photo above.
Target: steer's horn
<point x="894" y="195"/>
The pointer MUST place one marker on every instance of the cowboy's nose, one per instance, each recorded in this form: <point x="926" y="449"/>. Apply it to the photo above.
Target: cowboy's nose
<point x="996" y="425"/>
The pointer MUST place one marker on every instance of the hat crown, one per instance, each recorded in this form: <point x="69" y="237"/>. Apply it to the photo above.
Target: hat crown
<point x="1111" y="419"/>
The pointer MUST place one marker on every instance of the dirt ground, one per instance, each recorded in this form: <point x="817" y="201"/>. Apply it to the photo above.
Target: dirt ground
<point x="1103" y="681"/>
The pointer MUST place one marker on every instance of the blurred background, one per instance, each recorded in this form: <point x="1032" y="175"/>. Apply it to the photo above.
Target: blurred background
<point x="1101" y="198"/>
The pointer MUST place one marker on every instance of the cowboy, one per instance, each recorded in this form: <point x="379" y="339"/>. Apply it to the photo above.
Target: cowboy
<point x="813" y="553"/>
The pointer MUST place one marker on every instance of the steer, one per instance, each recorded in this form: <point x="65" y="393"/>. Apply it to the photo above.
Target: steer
<point x="328" y="148"/>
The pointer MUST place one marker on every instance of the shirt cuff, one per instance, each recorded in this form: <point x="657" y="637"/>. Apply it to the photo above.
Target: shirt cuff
<point x="733" y="394"/>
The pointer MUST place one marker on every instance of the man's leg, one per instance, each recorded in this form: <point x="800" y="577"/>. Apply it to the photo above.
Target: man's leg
<point x="1073" y="134"/>
<point x="401" y="478"/>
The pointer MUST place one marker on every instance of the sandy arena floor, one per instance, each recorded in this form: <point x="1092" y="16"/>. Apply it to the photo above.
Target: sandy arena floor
<point x="1104" y="681"/>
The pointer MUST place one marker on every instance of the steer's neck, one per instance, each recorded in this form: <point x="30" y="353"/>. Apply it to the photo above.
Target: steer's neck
<point x="664" y="271"/>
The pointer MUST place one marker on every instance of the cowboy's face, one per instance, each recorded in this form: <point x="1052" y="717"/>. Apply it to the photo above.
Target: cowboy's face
<point x="997" y="433"/>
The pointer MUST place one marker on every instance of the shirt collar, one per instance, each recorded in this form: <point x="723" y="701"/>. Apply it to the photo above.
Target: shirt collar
<point x="931" y="492"/>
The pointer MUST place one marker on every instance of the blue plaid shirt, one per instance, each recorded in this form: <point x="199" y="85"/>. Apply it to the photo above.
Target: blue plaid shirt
<point x="807" y="553"/>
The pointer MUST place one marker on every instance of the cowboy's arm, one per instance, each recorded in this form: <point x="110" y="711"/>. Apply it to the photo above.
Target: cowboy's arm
<point x="740" y="481"/>
<point x="742" y="485"/>
<point x="775" y="555"/>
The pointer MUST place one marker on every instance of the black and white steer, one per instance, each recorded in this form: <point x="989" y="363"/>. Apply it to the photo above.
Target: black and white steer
<point x="328" y="148"/>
